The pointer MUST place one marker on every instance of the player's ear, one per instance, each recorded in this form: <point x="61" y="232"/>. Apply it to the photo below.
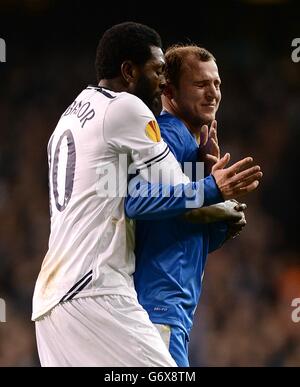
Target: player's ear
<point x="128" y="71"/>
<point x="168" y="91"/>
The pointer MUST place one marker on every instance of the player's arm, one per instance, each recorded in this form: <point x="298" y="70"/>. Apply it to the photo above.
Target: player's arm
<point x="232" y="182"/>
<point x="172" y="200"/>
<point x="130" y="127"/>
<point x="160" y="188"/>
<point x="221" y="212"/>
<point x="159" y="201"/>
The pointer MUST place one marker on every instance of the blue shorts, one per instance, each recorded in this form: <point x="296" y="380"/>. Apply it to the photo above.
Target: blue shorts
<point x="177" y="341"/>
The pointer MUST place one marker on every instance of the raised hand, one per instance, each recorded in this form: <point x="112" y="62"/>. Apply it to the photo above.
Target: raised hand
<point x="238" y="179"/>
<point x="209" y="150"/>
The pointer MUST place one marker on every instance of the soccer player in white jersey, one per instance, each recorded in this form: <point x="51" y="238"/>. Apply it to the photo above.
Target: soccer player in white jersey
<point x="85" y="305"/>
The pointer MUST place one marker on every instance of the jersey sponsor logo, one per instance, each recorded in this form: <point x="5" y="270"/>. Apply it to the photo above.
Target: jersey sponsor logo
<point x="153" y="131"/>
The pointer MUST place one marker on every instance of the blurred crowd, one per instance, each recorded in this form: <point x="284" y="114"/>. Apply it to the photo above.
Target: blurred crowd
<point x="244" y="316"/>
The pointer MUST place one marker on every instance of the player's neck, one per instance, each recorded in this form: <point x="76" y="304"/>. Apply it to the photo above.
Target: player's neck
<point x="171" y="108"/>
<point x="196" y="134"/>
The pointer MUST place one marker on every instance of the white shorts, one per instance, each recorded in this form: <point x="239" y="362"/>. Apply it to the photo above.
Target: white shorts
<point x="104" y="331"/>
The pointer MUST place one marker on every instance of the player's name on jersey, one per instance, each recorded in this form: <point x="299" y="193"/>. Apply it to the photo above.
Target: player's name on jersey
<point x="2" y="50"/>
<point x="83" y="111"/>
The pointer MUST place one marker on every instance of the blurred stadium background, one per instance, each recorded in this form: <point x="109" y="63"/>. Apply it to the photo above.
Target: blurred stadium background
<point x="244" y="317"/>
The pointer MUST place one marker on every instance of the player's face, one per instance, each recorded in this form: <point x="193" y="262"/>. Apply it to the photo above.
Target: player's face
<point x="151" y="81"/>
<point x="198" y="94"/>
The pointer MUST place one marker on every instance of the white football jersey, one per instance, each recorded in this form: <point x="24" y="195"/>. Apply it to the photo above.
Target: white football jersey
<point x="91" y="244"/>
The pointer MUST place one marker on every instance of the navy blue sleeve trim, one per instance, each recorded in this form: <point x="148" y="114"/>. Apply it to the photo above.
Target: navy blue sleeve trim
<point x="156" y="161"/>
<point x="146" y="164"/>
<point x="100" y="89"/>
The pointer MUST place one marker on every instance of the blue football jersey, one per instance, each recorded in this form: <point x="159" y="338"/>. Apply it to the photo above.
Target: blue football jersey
<point x="171" y="253"/>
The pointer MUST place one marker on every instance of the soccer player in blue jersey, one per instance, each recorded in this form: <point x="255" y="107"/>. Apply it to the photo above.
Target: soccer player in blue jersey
<point x="85" y="305"/>
<point x="171" y="253"/>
